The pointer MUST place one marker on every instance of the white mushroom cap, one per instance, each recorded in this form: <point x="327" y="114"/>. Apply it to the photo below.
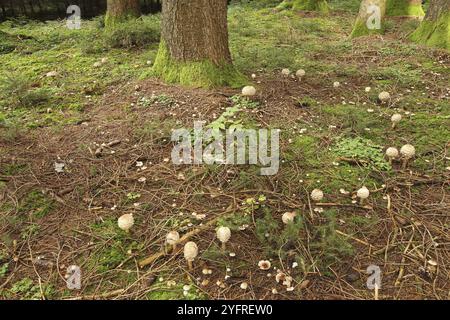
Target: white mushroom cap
<point x="244" y="285"/>
<point x="396" y="118"/>
<point x="190" y="251"/>
<point x="223" y="234"/>
<point x="336" y="84"/>
<point x="288" y="217"/>
<point x="248" y="91"/>
<point x="285" y="72"/>
<point x="264" y="264"/>
<point x="367" y="89"/>
<point x="363" y="193"/>
<point x="384" y="96"/>
<point x="392" y="152"/>
<point x="300" y="73"/>
<point x="317" y="195"/>
<point x="172" y="237"/>
<point x="126" y="221"/>
<point x="408" y="151"/>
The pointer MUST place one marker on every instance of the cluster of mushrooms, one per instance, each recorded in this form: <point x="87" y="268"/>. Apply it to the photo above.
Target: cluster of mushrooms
<point x="250" y="91"/>
<point x="363" y="193"/>
<point x="223" y="234"/>
<point x="407" y="152"/>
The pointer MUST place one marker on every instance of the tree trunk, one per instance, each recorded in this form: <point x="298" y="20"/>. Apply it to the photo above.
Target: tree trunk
<point x="194" y="44"/>
<point x="404" y="8"/>
<point x="121" y="10"/>
<point x="434" y="30"/>
<point x="308" y="5"/>
<point x="370" y="18"/>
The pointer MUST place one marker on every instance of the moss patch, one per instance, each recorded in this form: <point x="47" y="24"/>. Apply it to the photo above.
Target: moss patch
<point x="434" y="33"/>
<point x="360" y="29"/>
<point x="308" y="5"/>
<point x="403" y="8"/>
<point x="195" y="73"/>
<point x="111" y="21"/>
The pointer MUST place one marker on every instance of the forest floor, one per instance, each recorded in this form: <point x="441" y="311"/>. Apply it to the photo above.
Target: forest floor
<point x="66" y="93"/>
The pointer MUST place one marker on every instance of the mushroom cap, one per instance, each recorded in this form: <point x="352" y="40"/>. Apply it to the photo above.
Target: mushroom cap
<point x="384" y="96"/>
<point x="396" y="117"/>
<point x="264" y="264"/>
<point x="190" y="251"/>
<point x="367" y="89"/>
<point x="363" y="193"/>
<point x="223" y="234"/>
<point x="317" y="195"/>
<point x="336" y="84"/>
<point x="392" y="152"/>
<point x="288" y="217"/>
<point x="126" y="221"/>
<point x="248" y="91"/>
<point x="300" y="73"/>
<point x="244" y="285"/>
<point x="285" y="72"/>
<point x="172" y="237"/>
<point x="408" y="151"/>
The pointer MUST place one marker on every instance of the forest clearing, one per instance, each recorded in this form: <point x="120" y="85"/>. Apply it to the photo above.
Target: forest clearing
<point x="88" y="182"/>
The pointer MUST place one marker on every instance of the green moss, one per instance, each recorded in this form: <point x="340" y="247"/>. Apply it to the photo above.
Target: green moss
<point x="112" y="21"/>
<point x="195" y="73"/>
<point x="403" y="8"/>
<point x="308" y="5"/>
<point x="360" y="29"/>
<point x="434" y="33"/>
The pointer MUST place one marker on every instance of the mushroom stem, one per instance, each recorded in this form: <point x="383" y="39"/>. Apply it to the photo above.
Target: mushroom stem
<point x="224" y="245"/>
<point x="404" y="164"/>
<point x="174" y="247"/>
<point x="361" y="201"/>
<point x="190" y="265"/>
<point x="394" y="124"/>
<point x="390" y="161"/>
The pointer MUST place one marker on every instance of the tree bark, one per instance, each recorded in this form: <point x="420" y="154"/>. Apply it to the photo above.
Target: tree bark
<point x="121" y="10"/>
<point x="307" y="5"/>
<point x="194" y="44"/>
<point x="404" y="8"/>
<point x="370" y="18"/>
<point x="434" y="30"/>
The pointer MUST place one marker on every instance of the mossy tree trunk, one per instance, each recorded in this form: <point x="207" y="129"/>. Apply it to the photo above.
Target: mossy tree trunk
<point x="370" y="18"/>
<point x="308" y="5"/>
<point x="194" y="47"/>
<point x="405" y="8"/>
<point x="434" y="30"/>
<point x="121" y="10"/>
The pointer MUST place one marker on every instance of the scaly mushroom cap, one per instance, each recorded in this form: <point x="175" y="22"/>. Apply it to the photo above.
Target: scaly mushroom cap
<point x="172" y="237"/>
<point x="248" y="91"/>
<point x="285" y="72"/>
<point x="363" y="193"/>
<point x="288" y="217"/>
<point x="264" y="264"/>
<point x="300" y="73"/>
<point x="408" y="151"/>
<point x="317" y="195"/>
<point x="392" y="152"/>
<point x="336" y="84"/>
<point x="126" y="221"/>
<point x="396" y="118"/>
<point x="190" y="251"/>
<point x="384" y="96"/>
<point x="223" y="234"/>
